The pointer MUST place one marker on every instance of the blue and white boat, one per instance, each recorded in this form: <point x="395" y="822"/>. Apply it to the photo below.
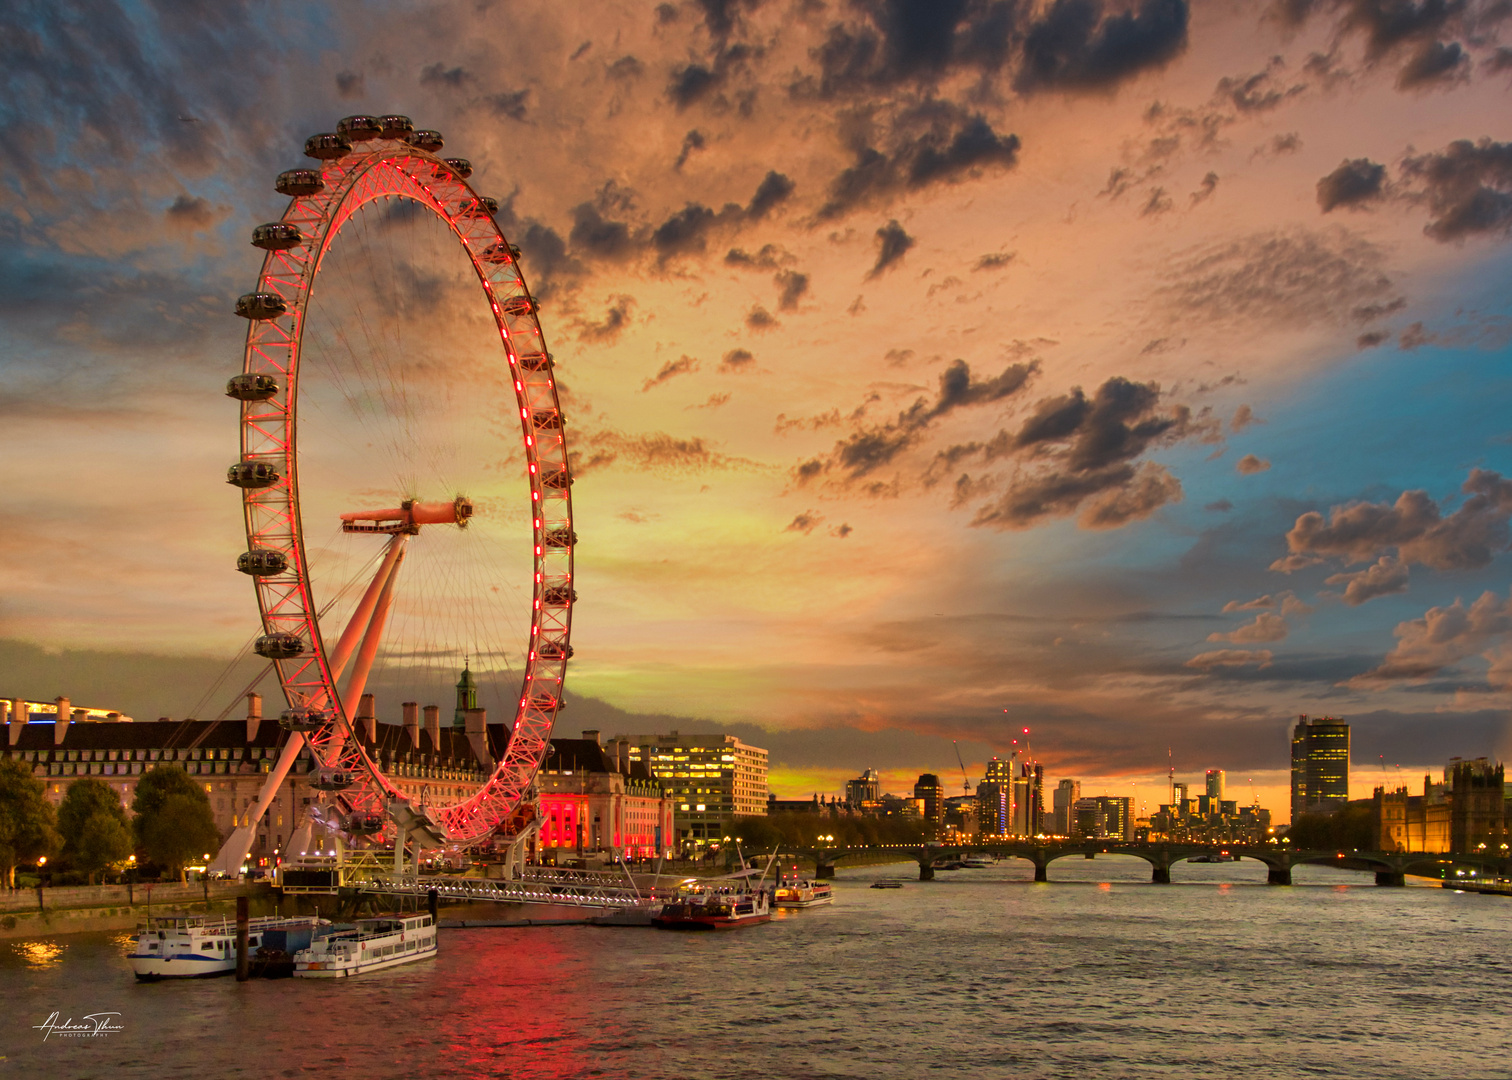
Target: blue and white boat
<point x="199" y="947"/>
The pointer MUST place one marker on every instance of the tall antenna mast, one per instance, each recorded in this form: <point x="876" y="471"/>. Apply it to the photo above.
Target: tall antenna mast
<point x="965" y="780"/>
<point x="1170" y="777"/>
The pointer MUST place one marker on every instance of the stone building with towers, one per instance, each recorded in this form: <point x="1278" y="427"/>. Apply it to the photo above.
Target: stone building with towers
<point x="427" y="761"/>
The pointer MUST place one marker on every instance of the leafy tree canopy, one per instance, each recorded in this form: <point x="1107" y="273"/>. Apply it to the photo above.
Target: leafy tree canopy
<point x="27" y="819"/>
<point x="153" y="791"/>
<point x="179" y="831"/>
<point x="104" y="839"/>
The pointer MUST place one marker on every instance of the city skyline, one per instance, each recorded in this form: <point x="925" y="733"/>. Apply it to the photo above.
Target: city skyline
<point x="1189" y="424"/>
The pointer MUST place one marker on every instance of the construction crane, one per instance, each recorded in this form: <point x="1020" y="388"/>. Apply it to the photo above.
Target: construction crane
<point x="965" y="781"/>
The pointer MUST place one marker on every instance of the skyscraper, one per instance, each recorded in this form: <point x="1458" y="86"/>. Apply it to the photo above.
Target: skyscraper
<point x="932" y="792"/>
<point x="1066" y="794"/>
<point x="1320" y="765"/>
<point x="1215" y="784"/>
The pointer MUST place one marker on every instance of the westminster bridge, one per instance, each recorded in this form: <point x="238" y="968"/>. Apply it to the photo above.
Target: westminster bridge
<point x="1390" y="867"/>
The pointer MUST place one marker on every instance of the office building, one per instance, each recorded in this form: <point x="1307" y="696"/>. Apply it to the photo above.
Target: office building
<point x="1319" y="766"/>
<point x="931" y="793"/>
<point x="713" y="779"/>
<point x="864" y="791"/>
<point x="1067" y="792"/>
<point x="1104" y="817"/>
<point x="594" y="800"/>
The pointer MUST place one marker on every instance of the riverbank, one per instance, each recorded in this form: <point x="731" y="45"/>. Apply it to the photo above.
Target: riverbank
<point x="83" y="908"/>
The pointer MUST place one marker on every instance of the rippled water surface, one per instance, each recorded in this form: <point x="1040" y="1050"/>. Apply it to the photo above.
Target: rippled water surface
<point x="980" y="973"/>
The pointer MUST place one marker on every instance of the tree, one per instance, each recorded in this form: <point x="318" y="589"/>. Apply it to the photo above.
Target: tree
<point x="178" y="831"/>
<point x="173" y="822"/>
<point x="94" y="827"/>
<point x="27" y="830"/>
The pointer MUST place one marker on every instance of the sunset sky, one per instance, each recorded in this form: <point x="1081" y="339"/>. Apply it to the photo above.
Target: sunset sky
<point x="1136" y="373"/>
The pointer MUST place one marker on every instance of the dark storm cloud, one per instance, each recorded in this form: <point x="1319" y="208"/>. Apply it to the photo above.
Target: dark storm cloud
<point x="684" y="365"/>
<point x="1434" y="62"/>
<point x="774" y="189"/>
<point x="794" y="286"/>
<point x="1467" y="186"/>
<point x="692" y="84"/>
<point x="510" y="103"/>
<point x="1081" y="45"/>
<point x="1353" y="184"/>
<point x="761" y="320"/>
<point x="608" y="330"/>
<point x="1081" y="454"/>
<point x="693" y="140"/>
<point x="737" y="360"/>
<point x="995" y="261"/>
<point x="595" y="236"/>
<point x="1413" y="526"/>
<point x="770" y="257"/>
<point x="938" y="144"/>
<point x="439" y="75"/>
<point x="892" y="244"/>
<point x="872" y="446"/>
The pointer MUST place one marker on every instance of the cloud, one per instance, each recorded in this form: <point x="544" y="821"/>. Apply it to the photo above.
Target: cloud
<point x="439" y="75"/>
<point x="1372" y="339"/>
<point x="684" y="365"/>
<point x="1221" y="506"/>
<point x="350" y="84"/>
<point x="192" y="214"/>
<point x="693" y="140"/>
<point x="1413" y="526"/>
<point x="760" y="320"/>
<point x="603" y="238"/>
<point x="714" y="402"/>
<point x="892" y="244"/>
<point x="1081" y="448"/>
<point x="793" y="285"/>
<point x="508" y="103"/>
<point x="805" y="522"/>
<point x="737" y="360"/>
<point x="693" y="83"/>
<point x="1080" y="45"/>
<point x="936" y="143"/>
<point x="873" y="446"/>
<point x="1434" y="62"/>
<point x="1354" y="184"/>
<point x="608" y="330"/>
<point x="770" y="257"/>
<point x="655" y="452"/>
<point x="1257" y="93"/>
<point x="1205" y="189"/>
<point x="1244" y="417"/>
<point x="1266" y="627"/>
<point x="1157" y="203"/>
<point x="774" y="190"/>
<point x="1282" y="277"/>
<point x="1249" y="464"/>
<point x="1444" y="636"/>
<point x="1286" y="601"/>
<point x="1231" y="658"/>
<point x="995" y="261"/>
<point x="1388" y="575"/>
<point x="1467" y="186"/>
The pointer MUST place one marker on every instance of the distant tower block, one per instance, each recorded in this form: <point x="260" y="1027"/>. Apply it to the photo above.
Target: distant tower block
<point x="367" y="716"/>
<point x="1215" y="779"/>
<point x="254" y="715"/>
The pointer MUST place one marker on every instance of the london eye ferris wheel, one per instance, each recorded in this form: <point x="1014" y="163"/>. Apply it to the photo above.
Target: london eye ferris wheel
<point x="404" y="475"/>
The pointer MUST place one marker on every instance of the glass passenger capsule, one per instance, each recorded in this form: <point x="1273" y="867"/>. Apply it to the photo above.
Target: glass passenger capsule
<point x="252" y="386"/>
<point x="459" y="165"/>
<point x="362" y="824"/>
<point x="500" y="254"/>
<point x="298" y="182"/>
<point x="262" y="562"/>
<point x="304" y="719"/>
<point x="280" y="646"/>
<point x="554" y="650"/>
<point x="558" y="595"/>
<point x="253" y="474"/>
<point x="533" y="361"/>
<point x="427" y="140"/>
<point x="328" y="146"/>
<point x="517" y="307"/>
<point x="277" y="236"/>
<point x="332" y="780"/>
<point x="395" y="127"/>
<point x="359" y="128"/>
<point x="260" y="305"/>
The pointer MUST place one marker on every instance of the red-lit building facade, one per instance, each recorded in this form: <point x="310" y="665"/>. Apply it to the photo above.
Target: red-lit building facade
<point x="594" y="800"/>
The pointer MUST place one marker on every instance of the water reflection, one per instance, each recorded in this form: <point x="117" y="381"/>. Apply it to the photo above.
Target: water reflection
<point x="38" y="953"/>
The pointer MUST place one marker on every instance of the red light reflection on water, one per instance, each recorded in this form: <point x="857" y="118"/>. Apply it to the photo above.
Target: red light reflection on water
<point x="529" y="1003"/>
<point x="1105" y="886"/>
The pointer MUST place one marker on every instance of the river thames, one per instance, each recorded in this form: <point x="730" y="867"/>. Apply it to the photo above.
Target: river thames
<point x="980" y="973"/>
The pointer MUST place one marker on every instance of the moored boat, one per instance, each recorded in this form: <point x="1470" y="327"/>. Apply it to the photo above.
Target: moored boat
<point x="367" y="945"/>
<point x="714" y="907"/>
<point x="199" y="947"/>
<point x="794" y="891"/>
<point x="977" y="862"/>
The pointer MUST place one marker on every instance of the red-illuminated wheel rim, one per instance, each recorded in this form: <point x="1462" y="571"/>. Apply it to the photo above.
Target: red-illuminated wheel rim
<point x="391" y="168"/>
